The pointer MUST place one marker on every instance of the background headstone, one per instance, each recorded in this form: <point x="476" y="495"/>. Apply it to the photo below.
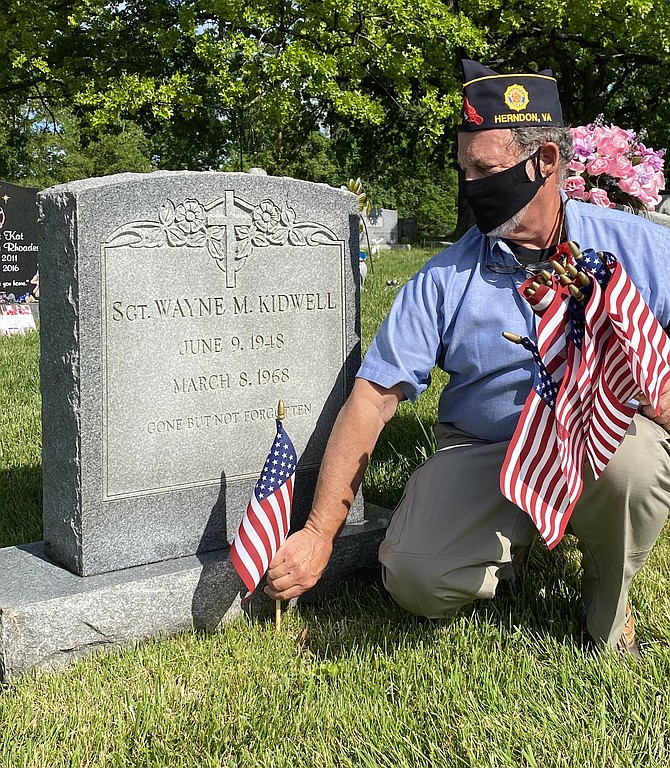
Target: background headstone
<point x="382" y="226"/>
<point x="19" y="249"/>
<point x="177" y="309"/>
<point x="408" y="230"/>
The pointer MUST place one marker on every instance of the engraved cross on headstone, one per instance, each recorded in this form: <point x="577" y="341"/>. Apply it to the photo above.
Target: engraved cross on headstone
<point x="227" y="214"/>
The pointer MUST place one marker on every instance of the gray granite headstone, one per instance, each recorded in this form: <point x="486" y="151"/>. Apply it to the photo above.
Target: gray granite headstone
<point x="382" y="226"/>
<point x="177" y="309"/>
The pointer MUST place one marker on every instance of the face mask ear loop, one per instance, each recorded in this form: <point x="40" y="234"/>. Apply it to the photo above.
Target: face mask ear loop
<point x="538" y="168"/>
<point x="538" y="171"/>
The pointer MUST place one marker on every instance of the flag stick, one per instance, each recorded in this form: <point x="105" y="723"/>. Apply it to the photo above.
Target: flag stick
<point x="281" y="415"/>
<point x="576" y="293"/>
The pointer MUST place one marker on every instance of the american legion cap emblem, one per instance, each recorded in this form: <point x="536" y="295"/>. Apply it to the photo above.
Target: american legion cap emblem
<point x="516" y="97"/>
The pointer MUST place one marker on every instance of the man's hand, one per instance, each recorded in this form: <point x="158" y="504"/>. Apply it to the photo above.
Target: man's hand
<point x="298" y="564"/>
<point x="303" y="557"/>
<point x="663" y="417"/>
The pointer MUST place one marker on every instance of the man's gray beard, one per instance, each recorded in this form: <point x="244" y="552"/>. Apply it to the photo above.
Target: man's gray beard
<point x="507" y="227"/>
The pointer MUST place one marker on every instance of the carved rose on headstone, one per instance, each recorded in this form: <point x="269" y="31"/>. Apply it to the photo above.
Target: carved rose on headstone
<point x="272" y="225"/>
<point x="189" y="216"/>
<point x="183" y="224"/>
<point x="265" y="217"/>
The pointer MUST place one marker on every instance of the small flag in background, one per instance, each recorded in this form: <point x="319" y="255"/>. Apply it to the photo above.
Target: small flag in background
<point x="267" y="520"/>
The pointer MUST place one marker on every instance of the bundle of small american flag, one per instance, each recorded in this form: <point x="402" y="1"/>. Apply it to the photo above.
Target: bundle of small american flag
<point x="267" y="520"/>
<point x="598" y="346"/>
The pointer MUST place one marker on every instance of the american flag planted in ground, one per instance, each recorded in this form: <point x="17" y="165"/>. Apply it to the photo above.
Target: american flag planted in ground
<point x="593" y="354"/>
<point x="268" y="517"/>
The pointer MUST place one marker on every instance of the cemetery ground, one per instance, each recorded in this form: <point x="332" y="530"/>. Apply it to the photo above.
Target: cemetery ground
<point x="351" y="680"/>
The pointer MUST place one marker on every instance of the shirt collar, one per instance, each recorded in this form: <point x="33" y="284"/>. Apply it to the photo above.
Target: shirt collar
<point x="499" y="256"/>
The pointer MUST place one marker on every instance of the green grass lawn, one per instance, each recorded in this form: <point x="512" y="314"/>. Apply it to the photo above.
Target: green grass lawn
<point x="20" y="440"/>
<point x="354" y="681"/>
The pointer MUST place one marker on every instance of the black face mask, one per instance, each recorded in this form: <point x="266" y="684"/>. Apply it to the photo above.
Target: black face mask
<point x="495" y="199"/>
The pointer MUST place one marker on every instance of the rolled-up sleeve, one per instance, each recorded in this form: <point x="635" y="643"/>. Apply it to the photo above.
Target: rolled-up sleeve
<point x="408" y="343"/>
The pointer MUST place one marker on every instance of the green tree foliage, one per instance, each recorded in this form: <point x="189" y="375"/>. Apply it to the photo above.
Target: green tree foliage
<point x="39" y="150"/>
<point x="15" y="131"/>
<point x="400" y="171"/>
<point x="323" y="90"/>
<point x="60" y="155"/>
<point x="286" y="65"/>
<point x="610" y="56"/>
<point x="307" y="89"/>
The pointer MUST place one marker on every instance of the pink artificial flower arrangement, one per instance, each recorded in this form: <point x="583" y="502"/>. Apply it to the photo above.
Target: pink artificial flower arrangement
<point x="611" y="166"/>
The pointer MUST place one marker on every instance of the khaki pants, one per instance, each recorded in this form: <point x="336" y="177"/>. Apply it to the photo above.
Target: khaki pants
<point x="452" y="537"/>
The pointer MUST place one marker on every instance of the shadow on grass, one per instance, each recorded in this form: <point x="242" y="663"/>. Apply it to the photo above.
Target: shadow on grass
<point x="405" y="442"/>
<point x="20" y="505"/>
<point x="543" y="602"/>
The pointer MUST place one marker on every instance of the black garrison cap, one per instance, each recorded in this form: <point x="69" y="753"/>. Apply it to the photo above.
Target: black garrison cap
<point x="491" y="100"/>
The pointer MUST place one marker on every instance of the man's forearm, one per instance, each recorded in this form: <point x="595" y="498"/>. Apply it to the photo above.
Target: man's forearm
<point x="347" y="455"/>
<point x="302" y="558"/>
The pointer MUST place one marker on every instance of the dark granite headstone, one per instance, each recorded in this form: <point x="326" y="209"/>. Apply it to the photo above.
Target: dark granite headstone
<point x="408" y="230"/>
<point x="19" y="253"/>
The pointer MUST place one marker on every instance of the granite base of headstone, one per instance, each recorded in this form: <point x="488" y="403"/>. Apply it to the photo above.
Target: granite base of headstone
<point x="176" y="310"/>
<point x="49" y="617"/>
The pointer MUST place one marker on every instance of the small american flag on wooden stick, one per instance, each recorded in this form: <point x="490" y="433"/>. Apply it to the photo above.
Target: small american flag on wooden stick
<point x="267" y="520"/>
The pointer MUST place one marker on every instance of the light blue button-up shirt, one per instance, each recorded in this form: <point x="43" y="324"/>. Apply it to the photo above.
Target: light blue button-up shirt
<point x="453" y="311"/>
